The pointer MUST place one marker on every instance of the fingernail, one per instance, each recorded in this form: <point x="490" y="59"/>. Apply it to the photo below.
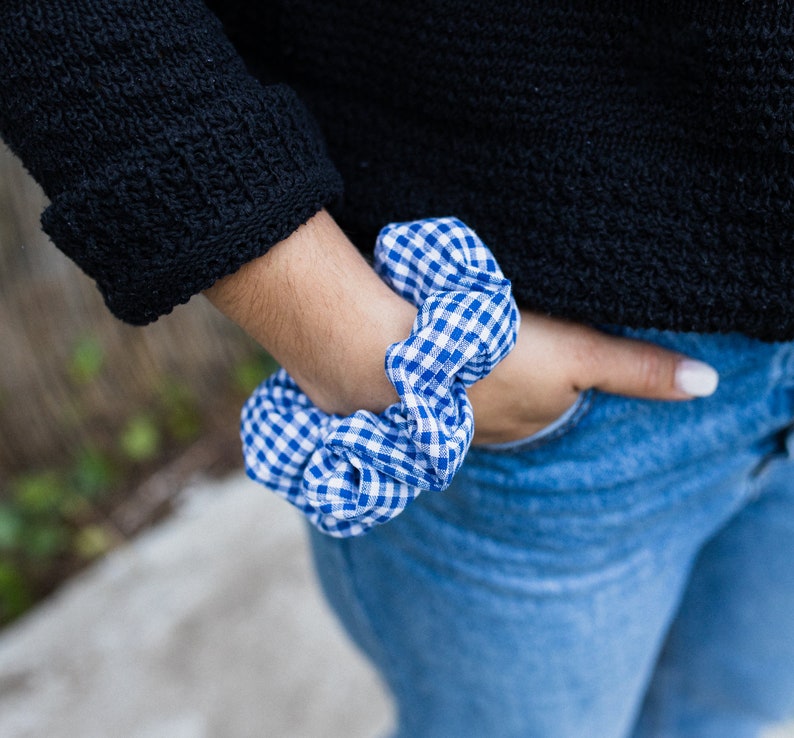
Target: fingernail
<point x="696" y="378"/>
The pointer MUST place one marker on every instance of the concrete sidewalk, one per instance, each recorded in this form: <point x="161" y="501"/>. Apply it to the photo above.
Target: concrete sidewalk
<point x="208" y="626"/>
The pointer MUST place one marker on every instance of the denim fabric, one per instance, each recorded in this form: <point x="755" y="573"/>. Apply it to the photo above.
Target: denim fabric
<point x="631" y="573"/>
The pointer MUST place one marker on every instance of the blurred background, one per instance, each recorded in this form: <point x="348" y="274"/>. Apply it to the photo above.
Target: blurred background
<point x="147" y="588"/>
<point x="101" y="422"/>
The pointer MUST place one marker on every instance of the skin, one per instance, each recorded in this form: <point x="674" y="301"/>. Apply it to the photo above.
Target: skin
<point x="315" y="304"/>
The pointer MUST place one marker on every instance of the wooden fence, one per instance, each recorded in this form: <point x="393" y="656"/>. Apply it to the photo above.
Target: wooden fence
<point x="71" y="374"/>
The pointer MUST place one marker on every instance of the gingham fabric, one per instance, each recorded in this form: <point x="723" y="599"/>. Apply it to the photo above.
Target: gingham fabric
<point x="347" y="474"/>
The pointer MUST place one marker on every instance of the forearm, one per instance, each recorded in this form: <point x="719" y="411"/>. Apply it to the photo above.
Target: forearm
<point x="315" y="304"/>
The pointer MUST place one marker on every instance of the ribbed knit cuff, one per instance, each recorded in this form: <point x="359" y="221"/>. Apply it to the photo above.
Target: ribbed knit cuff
<point x="167" y="164"/>
<point x="194" y="204"/>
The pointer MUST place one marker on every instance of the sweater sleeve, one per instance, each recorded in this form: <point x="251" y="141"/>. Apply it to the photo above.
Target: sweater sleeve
<point x="166" y="164"/>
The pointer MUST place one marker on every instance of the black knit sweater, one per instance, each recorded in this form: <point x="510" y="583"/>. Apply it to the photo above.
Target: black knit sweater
<point x="627" y="162"/>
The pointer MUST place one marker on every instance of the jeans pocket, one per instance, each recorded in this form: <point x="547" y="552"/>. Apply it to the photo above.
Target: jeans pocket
<point x="556" y="429"/>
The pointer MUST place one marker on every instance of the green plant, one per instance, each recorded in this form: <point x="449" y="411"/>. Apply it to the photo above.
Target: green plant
<point x="10" y="527"/>
<point x="48" y="517"/>
<point x="140" y="439"/>
<point x="54" y="520"/>
<point x="93" y="472"/>
<point x="252" y="370"/>
<point x="15" y="594"/>
<point x="180" y="410"/>
<point x="86" y="360"/>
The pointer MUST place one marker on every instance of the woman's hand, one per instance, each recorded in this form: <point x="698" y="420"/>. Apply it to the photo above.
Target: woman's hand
<point x="325" y="315"/>
<point x="554" y="360"/>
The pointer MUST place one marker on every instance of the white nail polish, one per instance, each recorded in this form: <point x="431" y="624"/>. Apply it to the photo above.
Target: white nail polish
<point x="696" y="378"/>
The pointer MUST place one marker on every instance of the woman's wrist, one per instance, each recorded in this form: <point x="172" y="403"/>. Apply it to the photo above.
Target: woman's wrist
<point x="323" y="313"/>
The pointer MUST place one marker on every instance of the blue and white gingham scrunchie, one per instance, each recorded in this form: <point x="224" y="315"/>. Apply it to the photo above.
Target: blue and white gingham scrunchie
<point x="347" y="474"/>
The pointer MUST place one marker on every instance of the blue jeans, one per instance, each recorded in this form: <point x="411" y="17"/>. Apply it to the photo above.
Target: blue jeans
<point x="630" y="573"/>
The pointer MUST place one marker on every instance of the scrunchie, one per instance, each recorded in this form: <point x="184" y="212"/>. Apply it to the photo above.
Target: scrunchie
<point x="347" y="474"/>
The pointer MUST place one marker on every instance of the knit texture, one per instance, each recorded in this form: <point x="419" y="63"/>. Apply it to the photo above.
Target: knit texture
<point x="627" y="162"/>
<point x="167" y="164"/>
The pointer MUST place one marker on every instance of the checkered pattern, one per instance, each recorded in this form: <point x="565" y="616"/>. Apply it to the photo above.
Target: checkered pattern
<point x="347" y="474"/>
